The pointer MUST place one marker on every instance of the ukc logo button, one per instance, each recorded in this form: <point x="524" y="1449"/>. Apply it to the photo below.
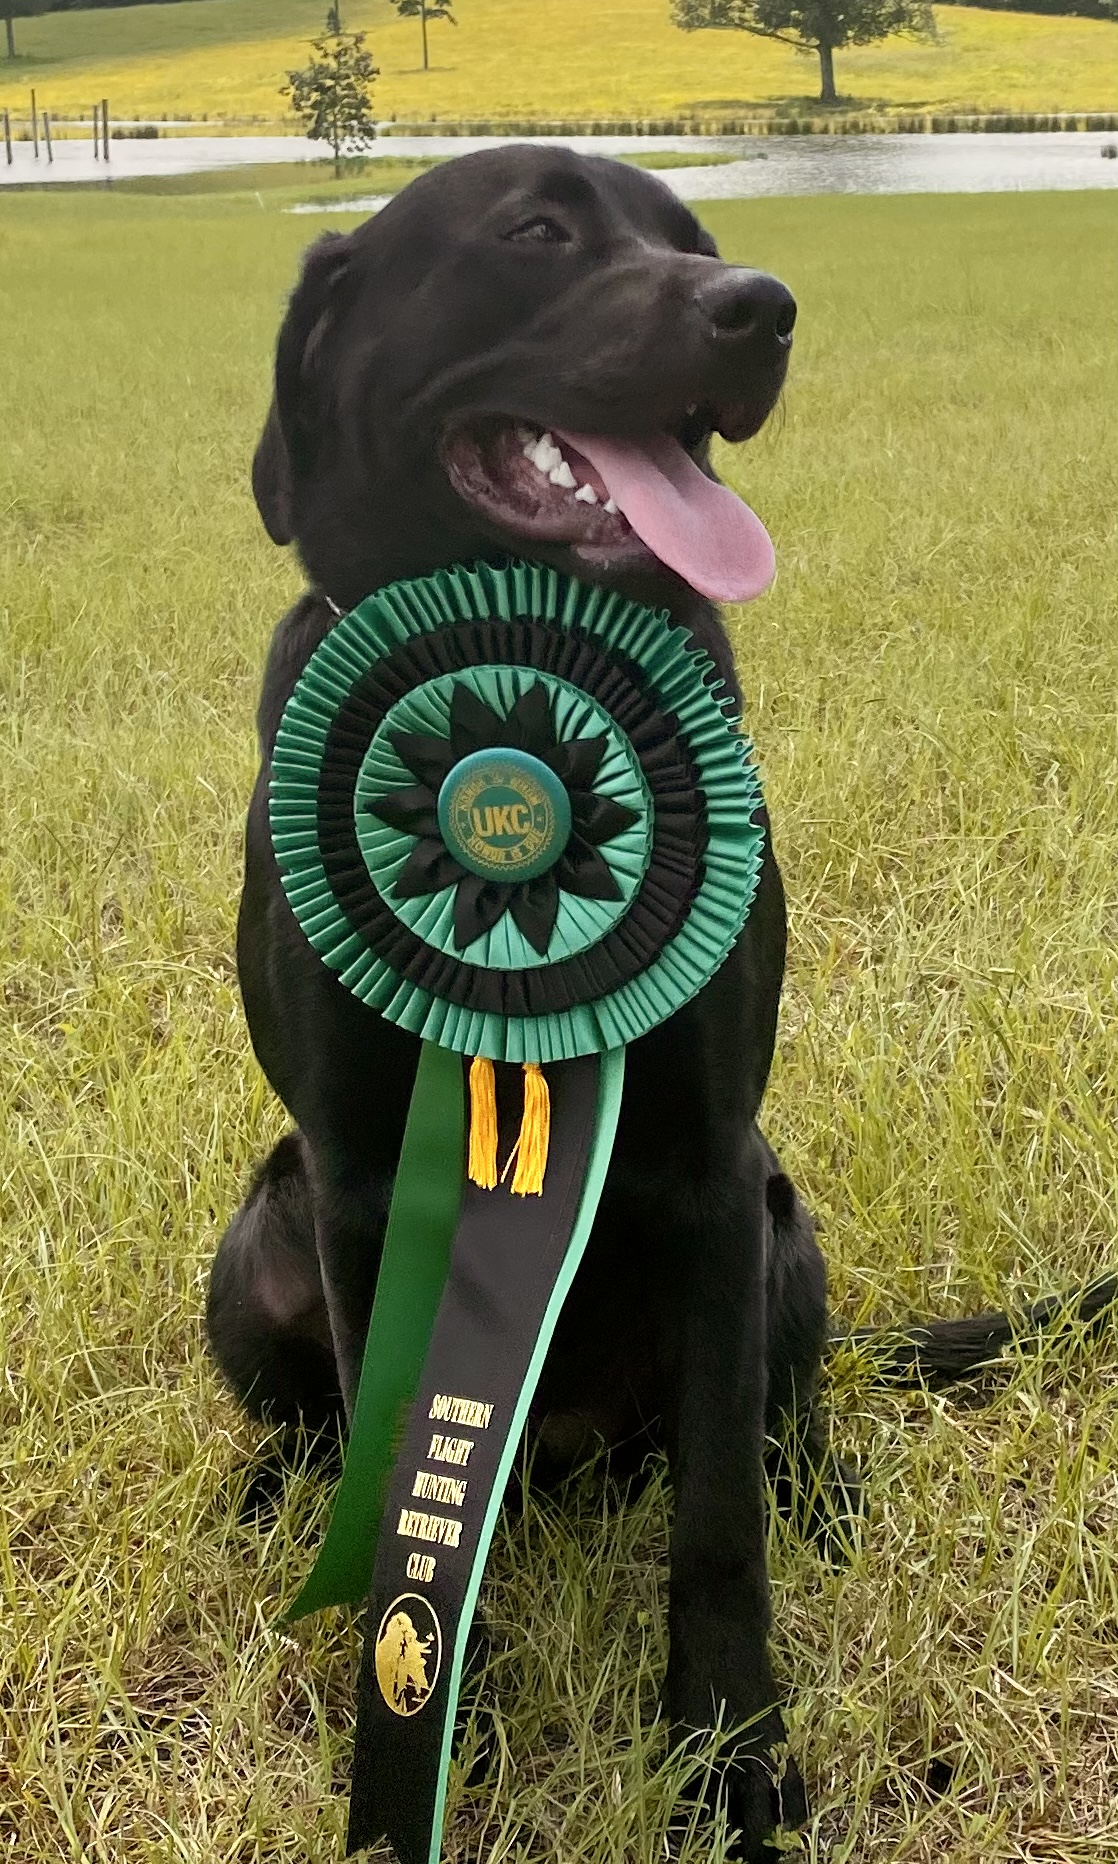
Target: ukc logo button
<point x="504" y="815"/>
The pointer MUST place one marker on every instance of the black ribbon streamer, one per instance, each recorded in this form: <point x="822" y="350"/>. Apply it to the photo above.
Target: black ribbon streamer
<point x="508" y="1255"/>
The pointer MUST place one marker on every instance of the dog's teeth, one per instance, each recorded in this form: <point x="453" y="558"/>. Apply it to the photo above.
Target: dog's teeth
<point x="546" y="455"/>
<point x="610" y="506"/>
<point x="587" y="495"/>
<point x="562" y="475"/>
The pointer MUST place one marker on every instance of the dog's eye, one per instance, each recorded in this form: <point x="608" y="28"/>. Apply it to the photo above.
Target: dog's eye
<point x="540" y="228"/>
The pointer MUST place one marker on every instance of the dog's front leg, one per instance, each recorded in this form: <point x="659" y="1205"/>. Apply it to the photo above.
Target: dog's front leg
<point x="718" y="1669"/>
<point x="350" y="1204"/>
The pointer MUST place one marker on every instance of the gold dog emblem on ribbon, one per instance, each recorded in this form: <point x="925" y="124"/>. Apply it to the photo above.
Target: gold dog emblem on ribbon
<point x="408" y="1654"/>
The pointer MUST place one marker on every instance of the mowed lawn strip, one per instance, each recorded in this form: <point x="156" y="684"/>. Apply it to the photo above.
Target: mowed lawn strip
<point x="544" y="59"/>
<point x="931" y="687"/>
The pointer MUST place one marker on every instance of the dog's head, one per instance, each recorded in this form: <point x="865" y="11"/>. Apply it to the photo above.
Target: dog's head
<point x="527" y="350"/>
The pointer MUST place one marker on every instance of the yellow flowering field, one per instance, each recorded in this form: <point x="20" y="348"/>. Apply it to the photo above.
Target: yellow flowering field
<point x="225" y="59"/>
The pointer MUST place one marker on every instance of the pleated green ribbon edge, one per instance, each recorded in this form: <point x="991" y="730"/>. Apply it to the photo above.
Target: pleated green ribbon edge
<point x="610" y="1084"/>
<point x="422" y="1222"/>
<point x="682" y="677"/>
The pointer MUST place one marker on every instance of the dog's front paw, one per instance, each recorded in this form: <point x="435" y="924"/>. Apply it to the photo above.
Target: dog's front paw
<point x="763" y="1795"/>
<point x="759" y="1793"/>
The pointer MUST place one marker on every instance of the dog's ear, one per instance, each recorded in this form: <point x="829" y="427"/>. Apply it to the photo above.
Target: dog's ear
<point x="271" y="481"/>
<point x="286" y="448"/>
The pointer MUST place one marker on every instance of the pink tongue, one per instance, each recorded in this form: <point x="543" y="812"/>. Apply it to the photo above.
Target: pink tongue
<point x="701" y="530"/>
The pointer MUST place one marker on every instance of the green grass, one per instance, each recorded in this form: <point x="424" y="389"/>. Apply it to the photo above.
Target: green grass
<point x="282" y="182"/>
<point x="679" y="158"/>
<point x="932" y="691"/>
<point x="539" y="59"/>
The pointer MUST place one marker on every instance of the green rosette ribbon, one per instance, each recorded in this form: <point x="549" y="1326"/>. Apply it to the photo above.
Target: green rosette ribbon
<point x="517" y="816"/>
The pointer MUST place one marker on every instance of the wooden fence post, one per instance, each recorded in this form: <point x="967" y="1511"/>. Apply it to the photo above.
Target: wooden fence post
<point x="35" y="126"/>
<point x="105" y="126"/>
<point x="46" y="135"/>
<point x="8" y="137"/>
<point x="96" y="134"/>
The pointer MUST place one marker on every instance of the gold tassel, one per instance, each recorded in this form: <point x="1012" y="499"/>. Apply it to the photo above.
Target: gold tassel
<point x="483" y="1123"/>
<point x="530" y="1150"/>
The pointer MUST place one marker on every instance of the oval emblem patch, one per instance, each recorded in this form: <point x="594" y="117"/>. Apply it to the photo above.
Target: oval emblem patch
<point x="409" y="1654"/>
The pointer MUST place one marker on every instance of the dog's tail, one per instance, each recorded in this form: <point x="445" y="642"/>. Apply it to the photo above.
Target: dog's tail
<point x="940" y="1352"/>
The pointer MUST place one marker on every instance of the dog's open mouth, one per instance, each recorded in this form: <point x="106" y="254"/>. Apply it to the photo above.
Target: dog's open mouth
<point x="613" y="500"/>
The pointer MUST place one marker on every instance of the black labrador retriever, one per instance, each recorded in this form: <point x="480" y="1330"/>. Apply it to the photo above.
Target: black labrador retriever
<point x="505" y="297"/>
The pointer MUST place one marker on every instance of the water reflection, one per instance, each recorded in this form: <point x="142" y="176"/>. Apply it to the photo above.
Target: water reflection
<point x="965" y="164"/>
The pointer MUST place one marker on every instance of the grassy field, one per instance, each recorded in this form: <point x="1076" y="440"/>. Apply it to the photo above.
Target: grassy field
<point x="544" y="58"/>
<point x="932" y="691"/>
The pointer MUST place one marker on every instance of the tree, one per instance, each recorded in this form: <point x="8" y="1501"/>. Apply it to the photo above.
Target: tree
<point x="333" y="94"/>
<point x="810" y="25"/>
<point x="426" y="9"/>
<point x="19" y="9"/>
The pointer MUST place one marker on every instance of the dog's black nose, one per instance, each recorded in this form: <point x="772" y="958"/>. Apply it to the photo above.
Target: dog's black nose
<point x="743" y="303"/>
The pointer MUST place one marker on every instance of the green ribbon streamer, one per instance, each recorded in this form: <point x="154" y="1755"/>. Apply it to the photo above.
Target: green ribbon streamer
<point x="413" y="1269"/>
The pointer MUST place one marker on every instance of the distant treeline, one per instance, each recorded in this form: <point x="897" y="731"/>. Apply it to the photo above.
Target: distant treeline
<point x="1080" y="9"/>
<point x="74" y="6"/>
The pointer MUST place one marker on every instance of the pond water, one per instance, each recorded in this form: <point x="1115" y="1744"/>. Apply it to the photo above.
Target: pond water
<point x="763" y="165"/>
<point x="963" y="164"/>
